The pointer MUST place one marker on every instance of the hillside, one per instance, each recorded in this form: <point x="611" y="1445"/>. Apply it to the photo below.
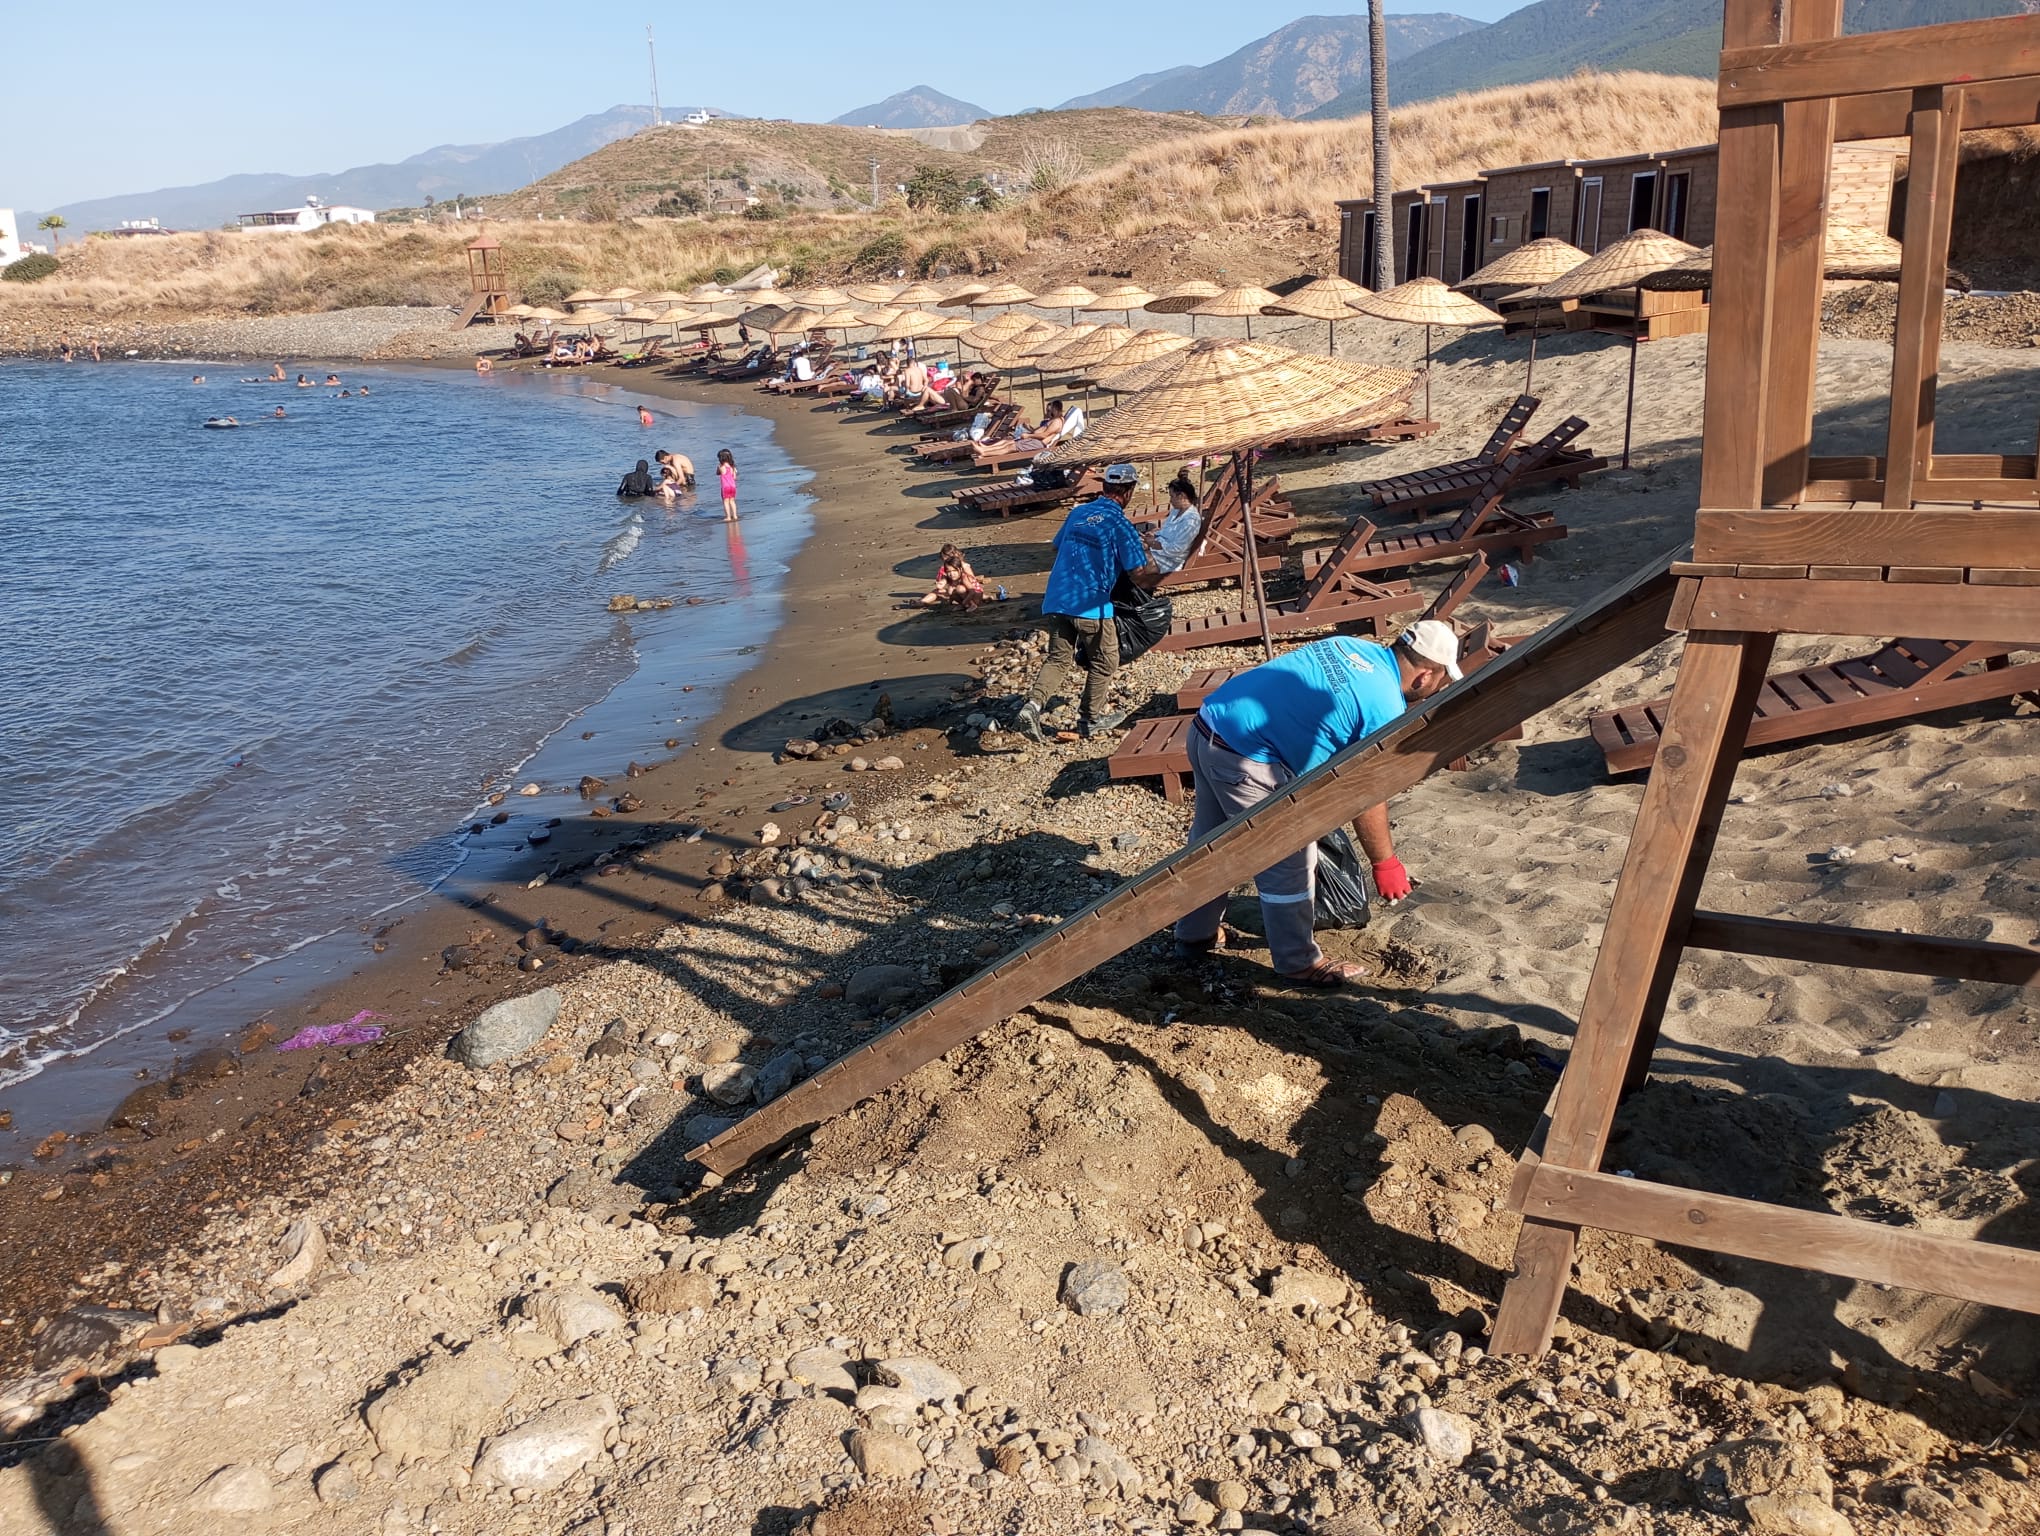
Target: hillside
<point x="1553" y="38"/>
<point x="823" y="165"/>
<point x="1122" y="93"/>
<point x="439" y="173"/>
<point x="918" y="106"/>
<point x="1294" y="68"/>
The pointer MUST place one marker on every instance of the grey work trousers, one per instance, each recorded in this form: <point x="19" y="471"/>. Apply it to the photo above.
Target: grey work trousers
<point x="1229" y="785"/>
<point x="1101" y="640"/>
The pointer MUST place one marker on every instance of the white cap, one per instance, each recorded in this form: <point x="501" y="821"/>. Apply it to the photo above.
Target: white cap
<point x="1437" y="643"/>
<point x="1122" y="474"/>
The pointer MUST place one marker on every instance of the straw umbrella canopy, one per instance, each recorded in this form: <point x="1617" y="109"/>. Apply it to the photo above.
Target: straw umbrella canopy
<point x="1121" y="300"/>
<point x="908" y="324"/>
<point x="1183" y="299"/>
<point x="1002" y="295"/>
<point x="948" y="328"/>
<point x="1849" y="250"/>
<point x="963" y="292"/>
<point x="882" y="316"/>
<point x="1329" y="299"/>
<point x="873" y="293"/>
<point x="1099" y="343"/>
<point x="918" y="293"/>
<point x="823" y="298"/>
<point x="583" y="296"/>
<point x="546" y="314"/>
<point x="1242" y="302"/>
<point x="1527" y="266"/>
<point x="984" y="333"/>
<point x="662" y="297"/>
<point x="520" y="312"/>
<point x="1069" y="296"/>
<point x="707" y="293"/>
<point x="1223" y="395"/>
<point x="1134" y="354"/>
<point x="798" y="319"/>
<point x="1427" y="302"/>
<point x="1625" y="264"/>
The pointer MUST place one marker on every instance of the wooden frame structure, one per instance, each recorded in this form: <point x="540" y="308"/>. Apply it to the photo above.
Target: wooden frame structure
<point x="1788" y="543"/>
<point x="488" y="280"/>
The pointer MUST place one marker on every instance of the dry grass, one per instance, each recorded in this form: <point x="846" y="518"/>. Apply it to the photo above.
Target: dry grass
<point x="1236" y="182"/>
<point x="1298" y="170"/>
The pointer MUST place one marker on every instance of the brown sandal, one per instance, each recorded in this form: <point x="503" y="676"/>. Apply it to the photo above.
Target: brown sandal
<point x="1328" y="974"/>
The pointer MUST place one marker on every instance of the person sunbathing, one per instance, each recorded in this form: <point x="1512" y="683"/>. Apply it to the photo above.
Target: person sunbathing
<point x="934" y="393"/>
<point x="1044" y="437"/>
<point x="956" y="584"/>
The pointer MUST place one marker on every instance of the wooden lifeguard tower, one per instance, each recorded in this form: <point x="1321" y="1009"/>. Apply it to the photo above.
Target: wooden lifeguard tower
<point x="1788" y="542"/>
<point x="488" y="282"/>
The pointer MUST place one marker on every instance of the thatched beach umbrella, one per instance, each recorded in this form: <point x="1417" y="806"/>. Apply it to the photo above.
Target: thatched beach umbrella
<point x="882" y="316"/>
<point x="1329" y="299"/>
<point x="1625" y="264"/>
<point x="949" y="328"/>
<point x="963" y="292"/>
<point x="917" y="294"/>
<point x="1183" y="298"/>
<point x="873" y="293"/>
<point x="798" y="320"/>
<point x="1069" y="296"/>
<point x="1137" y="351"/>
<point x="1527" y="266"/>
<point x="823" y="298"/>
<point x="583" y="296"/>
<point x="1427" y="302"/>
<point x="1081" y="354"/>
<point x="1121" y="300"/>
<point x="1238" y="303"/>
<point x="999" y="328"/>
<point x="1847" y="251"/>
<point x="1223" y="396"/>
<point x="1000" y="296"/>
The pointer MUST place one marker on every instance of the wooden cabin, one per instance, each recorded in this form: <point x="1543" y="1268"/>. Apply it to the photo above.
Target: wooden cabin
<point x="1416" y="227"/>
<point x="1688" y="187"/>
<point x="1356" y="241"/>
<point x="1618" y="194"/>
<point x="1521" y="203"/>
<point x="1460" y="229"/>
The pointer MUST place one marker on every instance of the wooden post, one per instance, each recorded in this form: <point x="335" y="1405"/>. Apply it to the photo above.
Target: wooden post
<point x="1922" y="290"/>
<point x="1250" y="573"/>
<point x="1629" y="401"/>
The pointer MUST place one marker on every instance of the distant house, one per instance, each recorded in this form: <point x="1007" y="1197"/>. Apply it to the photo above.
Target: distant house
<point x="311" y="216"/>
<point x="129" y="228"/>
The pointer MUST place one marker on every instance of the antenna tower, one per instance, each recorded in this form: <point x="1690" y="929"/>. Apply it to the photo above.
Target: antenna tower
<point x="652" y="49"/>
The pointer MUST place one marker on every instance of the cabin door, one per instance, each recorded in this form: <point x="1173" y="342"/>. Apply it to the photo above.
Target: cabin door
<point x="1587" y="218"/>
<point x="1642" y="200"/>
<point x="1414" y="241"/>
<point x="1678" y="199"/>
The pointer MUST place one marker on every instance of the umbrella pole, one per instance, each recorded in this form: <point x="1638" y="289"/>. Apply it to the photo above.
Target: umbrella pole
<point x="1250" y="567"/>
<point x="1427" y="372"/>
<point x="1531" y="372"/>
<point x="1629" y="405"/>
<point x="1331" y="342"/>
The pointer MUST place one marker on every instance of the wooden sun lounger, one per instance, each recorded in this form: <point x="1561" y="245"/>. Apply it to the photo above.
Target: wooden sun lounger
<point x="1450" y="485"/>
<point x="992" y="457"/>
<point x="655" y="353"/>
<point x="1404" y="429"/>
<point x="1328" y="602"/>
<point x="818" y="360"/>
<point x="746" y="367"/>
<point x="1515" y="421"/>
<point x="1018" y="500"/>
<point x="1221" y="543"/>
<point x="958" y="415"/>
<point x="1160" y="748"/>
<point x="948" y="450"/>
<point x="1904" y="678"/>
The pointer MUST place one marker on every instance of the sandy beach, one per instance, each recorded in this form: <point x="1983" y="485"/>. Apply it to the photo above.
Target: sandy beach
<point x="1302" y="1195"/>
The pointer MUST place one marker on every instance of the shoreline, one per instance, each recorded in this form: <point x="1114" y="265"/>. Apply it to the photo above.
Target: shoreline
<point x="620" y="880"/>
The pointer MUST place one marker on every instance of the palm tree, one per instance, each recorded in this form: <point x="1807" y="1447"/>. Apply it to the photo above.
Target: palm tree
<point x="1384" y="183"/>
<point x="52" y="222"/>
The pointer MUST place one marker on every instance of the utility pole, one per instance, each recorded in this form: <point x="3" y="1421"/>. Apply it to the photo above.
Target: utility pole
<point x="874" y="181"/>
<point x="652" y="49"/>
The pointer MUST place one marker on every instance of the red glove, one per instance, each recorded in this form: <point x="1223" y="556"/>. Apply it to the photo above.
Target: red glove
<point x="1391" y="879"/>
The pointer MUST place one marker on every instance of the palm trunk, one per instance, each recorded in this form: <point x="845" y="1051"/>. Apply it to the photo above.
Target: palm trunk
<point x="1384" y="182"/>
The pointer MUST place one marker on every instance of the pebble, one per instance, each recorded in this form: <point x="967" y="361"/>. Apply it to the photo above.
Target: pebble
<point x="881" y="1453"/>
<point x="1447" y="1437"/>
<point x="729" y="1083"/>
<point x="544" y="1451"/>
<point x="1095" y="1288"/>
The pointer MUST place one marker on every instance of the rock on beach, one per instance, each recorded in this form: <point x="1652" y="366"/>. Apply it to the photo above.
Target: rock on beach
<point x="546" y="1450"/>
<point x="508" y="1029"/>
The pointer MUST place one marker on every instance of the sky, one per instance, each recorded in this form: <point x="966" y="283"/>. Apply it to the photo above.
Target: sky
<point x="209" y="91"/>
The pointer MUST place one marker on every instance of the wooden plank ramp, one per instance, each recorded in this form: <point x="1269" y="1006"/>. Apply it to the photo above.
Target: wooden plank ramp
<point x="1614" y="628"/>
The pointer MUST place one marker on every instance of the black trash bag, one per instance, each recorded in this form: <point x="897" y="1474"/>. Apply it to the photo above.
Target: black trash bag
<point x="1140" y="618"/>
<point x="1341" y="882"/>
<point x="1049" y="477"/>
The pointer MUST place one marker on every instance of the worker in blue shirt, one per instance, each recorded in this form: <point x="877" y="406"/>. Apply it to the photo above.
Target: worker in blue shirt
<point x="1276" y="723"/>
<point x="1095" y="546"/>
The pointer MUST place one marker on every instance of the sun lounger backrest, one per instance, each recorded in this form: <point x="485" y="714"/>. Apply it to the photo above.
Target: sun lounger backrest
<point x="1326" y="578"/>
<point x="1514" y="420"/>
<point x="1457" y="589"/>
<point x="1502" y="478"/>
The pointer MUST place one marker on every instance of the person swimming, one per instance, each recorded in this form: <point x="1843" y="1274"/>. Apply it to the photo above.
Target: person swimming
<point x="676" y="473"/>
<point x="221" y="421"/>
<point x="644" y="416"/>
<point x="276" y="373"/>
<point x="198" y="378"/>
<point x="277" y="414"/>
<point x="332" y="378"/>
<point x="303" y="382"/>
<point x="639" y="482"/>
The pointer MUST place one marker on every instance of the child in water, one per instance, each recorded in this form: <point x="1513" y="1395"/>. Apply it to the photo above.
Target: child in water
<point x="726" y="476"/>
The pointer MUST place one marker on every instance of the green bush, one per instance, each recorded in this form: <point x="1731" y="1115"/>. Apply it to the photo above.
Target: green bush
<point x="680" y="203"/>
<point x="936" y="187"/>
<point x="30" y="269"/>
<point x="880" y="257"/>
<point x="763" y="213"/>
<point x="549" y="290"/>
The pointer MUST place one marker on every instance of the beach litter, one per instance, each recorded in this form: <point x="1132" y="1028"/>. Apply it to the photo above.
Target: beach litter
<point x="356" y="1031"/>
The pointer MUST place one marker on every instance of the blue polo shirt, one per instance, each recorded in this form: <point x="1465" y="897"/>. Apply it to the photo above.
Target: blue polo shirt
<point x="1093" y="546"/>
<point x="1309" y="705"/>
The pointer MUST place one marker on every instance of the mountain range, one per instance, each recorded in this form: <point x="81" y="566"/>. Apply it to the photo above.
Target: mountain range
<point x="918" y="106"/>
<point x="1287" y="73"/>
<point x="1552" y="38"/>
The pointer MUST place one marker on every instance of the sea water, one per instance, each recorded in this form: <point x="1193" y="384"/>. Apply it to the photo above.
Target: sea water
<point x="256" y="683"/>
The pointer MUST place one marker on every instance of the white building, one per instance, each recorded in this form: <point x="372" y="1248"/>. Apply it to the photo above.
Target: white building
<point x="311" y="216"/>
<point x="10" y="238"/>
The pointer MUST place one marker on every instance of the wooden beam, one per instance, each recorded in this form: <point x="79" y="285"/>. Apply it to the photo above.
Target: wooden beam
<point x="1990" y="1273"/>
<point x="1922" y="291"/>
<point x="2003" y="538"/>
<point x="1806" y="150"/>
<point x="2008" y="614"/>
<point x="1991" y="104"/>
<point x="1912" y="59"/>
<point x="1740" y="331"/>
<point x="1908" y="954"/>
<point x="1620" y="625"/>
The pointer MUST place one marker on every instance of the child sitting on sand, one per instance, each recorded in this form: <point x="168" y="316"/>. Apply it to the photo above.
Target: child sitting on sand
<point x="956" y="584"/>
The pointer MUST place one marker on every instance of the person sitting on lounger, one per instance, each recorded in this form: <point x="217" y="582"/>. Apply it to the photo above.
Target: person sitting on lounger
<point x="1053" y="429"/>
<point x="1170" y="544"/>
<point x="956" y="584"/>
<point x="934" y="394"/>
<point x="871" y="385"/>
